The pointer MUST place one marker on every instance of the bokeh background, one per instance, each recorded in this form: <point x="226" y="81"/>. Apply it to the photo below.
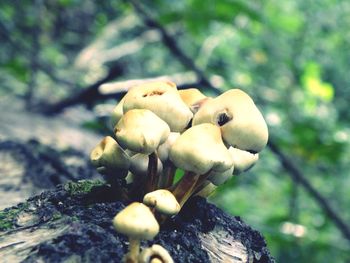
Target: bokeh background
<point x="292" y="57"/>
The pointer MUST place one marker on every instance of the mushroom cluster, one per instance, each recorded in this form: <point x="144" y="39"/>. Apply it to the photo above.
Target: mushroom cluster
<point x="158" y="130"/>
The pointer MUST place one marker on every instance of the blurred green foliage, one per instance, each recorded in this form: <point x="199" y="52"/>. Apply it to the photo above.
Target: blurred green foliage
<point x="291" y="56"/>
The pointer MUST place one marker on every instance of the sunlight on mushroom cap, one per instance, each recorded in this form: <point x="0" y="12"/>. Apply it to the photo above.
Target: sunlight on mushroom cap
<point x="163" y="99"/>
<point x="141" y="131"/>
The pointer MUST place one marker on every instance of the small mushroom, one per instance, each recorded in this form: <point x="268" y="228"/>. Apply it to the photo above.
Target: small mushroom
<point x="241" y="123"/>
<point x="242" y="160"/>
<point x="155" y="254"/>
<point x="198" y="151"/>
<point x="163" y="99"/>
<point x="137" y="222"/>
<point x="110" y="158"/>
<point x="141" y="131"/>
<point x="162" y="201"/>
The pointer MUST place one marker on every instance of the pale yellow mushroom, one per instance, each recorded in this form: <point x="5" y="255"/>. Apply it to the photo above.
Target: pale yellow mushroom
<point x="163" y="99"/>
<point x="162" y="201"/>
<point x="242" y="160"/>
<point x="109" y="157"/>
<point x="241" y="123"/>
<point x="141" y="131"/>
<point x="198" y="151"/>
<point x="155" y="254"/>
<point x="137" y="222"/>
<point x="201" y="149"/>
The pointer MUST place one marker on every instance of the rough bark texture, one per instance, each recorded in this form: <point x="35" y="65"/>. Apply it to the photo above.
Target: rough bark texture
<point x="72" y="222"/>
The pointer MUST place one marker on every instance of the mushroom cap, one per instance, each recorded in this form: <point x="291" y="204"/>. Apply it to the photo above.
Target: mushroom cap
<point x="136" y="221"/>
<point x="163" y="201"/>
<point x="219" y="178"/>
<point x="164" y="148"/>
<point x="200" y="149"/>
<point x="116" y="114"/>
<point x="142" y="131"/>
<point x="109" y="156"/>
<point x="191" y="96"/>
<point x="163" y="99"/>
<point x="155" y="252"/>
<point x="242" y="160"/>
<point x="241" y="123"/>
<point x="139" y="164"/>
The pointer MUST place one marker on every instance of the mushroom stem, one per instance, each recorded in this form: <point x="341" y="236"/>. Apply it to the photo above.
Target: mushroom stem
<point x="183" y="190"/>
<point x="134" y="250"/>
<point x="201" y="183"/>
<point x="167" y="178"/>
<point x="152" y="178"/>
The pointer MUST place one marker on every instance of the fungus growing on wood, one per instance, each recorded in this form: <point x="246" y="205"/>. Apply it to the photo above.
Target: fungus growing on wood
<point x="137" y="222"/>
<point x="155" y="137"/>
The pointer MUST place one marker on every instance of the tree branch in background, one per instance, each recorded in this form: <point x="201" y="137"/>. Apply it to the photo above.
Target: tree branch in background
<point x="292" y="169"/>
<point x="87" y="96"/>
<point x="299" y="178"/>
<point x="173" y="46"/>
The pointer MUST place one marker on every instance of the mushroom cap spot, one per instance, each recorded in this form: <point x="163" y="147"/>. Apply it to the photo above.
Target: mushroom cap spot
<point x="242" y="160"/>
<point x="117" y="113"/>
<point x="244" y="126"/>
<point x="141" y="130"/>
<point x="200" y="149"/>
<point x="136" y="221"/>
<point x="164" y="148"/>
<point x="219" y="178"/>
<point x="191" y="96"/>
<point x="155" y="252"/>
<point x="163" y="99"/>
<point x="163" y="201"/>
<point x="109" y="156"/>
